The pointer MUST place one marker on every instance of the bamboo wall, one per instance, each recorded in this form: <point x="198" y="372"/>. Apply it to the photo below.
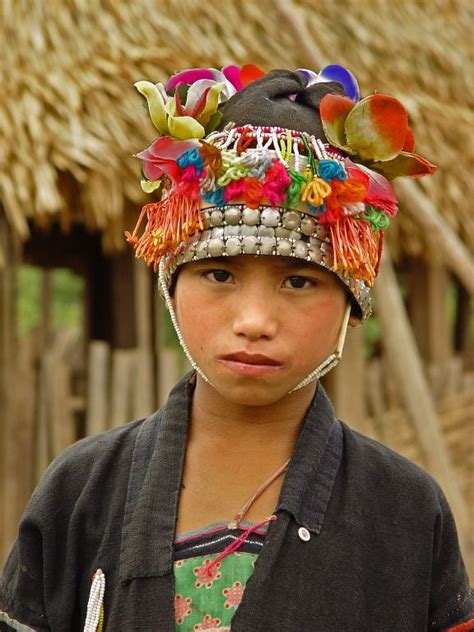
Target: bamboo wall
<point x="57" y="389"/>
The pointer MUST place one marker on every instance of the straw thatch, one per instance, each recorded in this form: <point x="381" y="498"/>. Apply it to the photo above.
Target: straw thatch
<point x="71" y="119"/>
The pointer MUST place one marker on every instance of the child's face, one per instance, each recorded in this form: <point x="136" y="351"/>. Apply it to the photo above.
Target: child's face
<point x="257" y="326"/>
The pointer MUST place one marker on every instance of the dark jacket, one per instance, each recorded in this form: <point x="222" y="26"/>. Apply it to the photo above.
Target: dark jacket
<point x="383" y="553"/>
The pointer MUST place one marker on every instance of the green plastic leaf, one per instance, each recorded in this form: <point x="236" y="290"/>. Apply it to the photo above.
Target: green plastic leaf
<point x="156" y="105"/>
<point x="377" y="127"/>
<point x="214" y="121"/>
<point x="334" y="110"/>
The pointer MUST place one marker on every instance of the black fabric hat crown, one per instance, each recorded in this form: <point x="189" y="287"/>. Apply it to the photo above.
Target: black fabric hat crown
<point x="281" y="98"/>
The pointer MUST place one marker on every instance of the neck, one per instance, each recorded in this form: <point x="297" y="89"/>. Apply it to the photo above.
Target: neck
<point x="216" y="420"/>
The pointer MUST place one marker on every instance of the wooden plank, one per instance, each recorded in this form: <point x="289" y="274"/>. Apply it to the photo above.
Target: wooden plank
<point x="13" y="479"/>
<point x="429" y="285"/>
<point x="348" y="382"/>
<point x="377" y="402"/>
<point x="97" y="387"/>
<point x="62" y="421"/>
<point x="406" y="368"/>
<point x="452" y="250"/>
<point x="144" y="399"/>
<point x="122" y="380"/>
<point x="170" y="371"/>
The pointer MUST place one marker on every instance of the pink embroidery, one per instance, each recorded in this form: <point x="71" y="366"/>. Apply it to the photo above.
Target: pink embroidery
<point x="181" y="608"/>
<point x="206" y="575"/>
<point x="207" y="623"/>
<point x="233" y="595"/>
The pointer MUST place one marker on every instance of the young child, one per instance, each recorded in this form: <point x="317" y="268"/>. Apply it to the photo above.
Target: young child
<point x="244" y="504"/>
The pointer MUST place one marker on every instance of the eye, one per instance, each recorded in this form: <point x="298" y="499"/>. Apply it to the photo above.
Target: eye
<point x="298" y="282"/>
<point x="218" y="276"/>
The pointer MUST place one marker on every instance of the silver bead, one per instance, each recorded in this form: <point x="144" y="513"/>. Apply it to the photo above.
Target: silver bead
<point x="217" y="232"/>
<point x="308" y="226"/>
<point x="251" y="216"/>
<point x="206" y="220"/>
<point x="189" y="254"/>
<point x="201" y="249"/>
<point x="232" y="215"/>
<point x="267" y="245"/>
<point x="233" y="246"/>
<point x="314" y="253"/>
<point x="232" y="231"/>
<point x="265" y="231"/>
<point x="321" y="231"/>
<point x="291" y="220"/>
<point x="282" y="232"/>
<point x="249" y="245"/>
<point x="248" y="230"/>
<point x="215" y="247"/>
<point x="300" y="249"/>
<point x="270" y="217"/>
<point x="206" y="235"/>
<point x="284" y="248"/>
<point x="217" y="217"/>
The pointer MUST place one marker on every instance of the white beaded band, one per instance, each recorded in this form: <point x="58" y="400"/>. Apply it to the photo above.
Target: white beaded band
<point x="95" y="603"/>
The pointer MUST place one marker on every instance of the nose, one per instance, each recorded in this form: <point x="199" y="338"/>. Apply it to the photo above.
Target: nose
<point x="255" y="314"/>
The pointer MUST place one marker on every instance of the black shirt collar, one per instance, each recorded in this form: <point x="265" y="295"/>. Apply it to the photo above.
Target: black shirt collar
<point x="156" y="472"/>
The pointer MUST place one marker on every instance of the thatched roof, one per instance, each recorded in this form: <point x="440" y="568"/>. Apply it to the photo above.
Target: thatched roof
<point x="71" y="119"/>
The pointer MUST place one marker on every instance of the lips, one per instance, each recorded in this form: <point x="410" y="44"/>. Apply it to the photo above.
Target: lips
<point x="251" y="358"/>
<point x="250" y="364"/>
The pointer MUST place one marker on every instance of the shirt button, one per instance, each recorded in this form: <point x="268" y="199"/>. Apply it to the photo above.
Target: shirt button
<point x="304" y="534"/>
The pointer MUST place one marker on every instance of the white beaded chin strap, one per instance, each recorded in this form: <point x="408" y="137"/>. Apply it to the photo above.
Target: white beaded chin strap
<point x="325" y="366"/>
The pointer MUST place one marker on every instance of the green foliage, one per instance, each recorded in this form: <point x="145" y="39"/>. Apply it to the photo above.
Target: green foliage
<point x="66" y="299"/>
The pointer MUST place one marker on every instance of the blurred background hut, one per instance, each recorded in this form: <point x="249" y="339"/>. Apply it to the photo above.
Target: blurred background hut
<point x="84" y="343"/>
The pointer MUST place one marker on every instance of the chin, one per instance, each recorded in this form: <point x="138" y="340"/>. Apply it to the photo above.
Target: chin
<point x="254" y="392"/>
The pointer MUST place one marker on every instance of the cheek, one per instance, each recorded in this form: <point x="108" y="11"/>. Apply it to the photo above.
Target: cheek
<point x="314" y="330"/>
<point x="199" y="320"/>
<point x="320" y="317"/>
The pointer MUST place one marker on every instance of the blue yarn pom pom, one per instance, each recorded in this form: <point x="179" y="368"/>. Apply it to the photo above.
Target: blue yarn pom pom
<point x="190" y="157"/>
<point x="215" y="197"/>
<point x="330" y="169"/>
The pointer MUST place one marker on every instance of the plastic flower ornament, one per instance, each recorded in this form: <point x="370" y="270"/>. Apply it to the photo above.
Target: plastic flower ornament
<point x="376" y="132"/>
<point x="187" y="107"/>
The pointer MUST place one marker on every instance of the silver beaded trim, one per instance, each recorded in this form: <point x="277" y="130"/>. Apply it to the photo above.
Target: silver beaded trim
<point x="236" y="229"/>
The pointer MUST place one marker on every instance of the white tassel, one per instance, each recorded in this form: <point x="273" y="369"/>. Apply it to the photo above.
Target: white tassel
<point x="95" y="603"/>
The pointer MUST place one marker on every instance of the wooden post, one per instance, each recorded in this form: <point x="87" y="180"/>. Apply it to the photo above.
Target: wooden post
<point x="428" y="306"/>
<point x="11" y="489"/>
<point x="453" y="252"/>
<point x="347" y="382"/>
<point x="406" y="367"/>
<point x="97" y="387"/>
<point x="144" y="387"/>
<point x="121" y="386"/>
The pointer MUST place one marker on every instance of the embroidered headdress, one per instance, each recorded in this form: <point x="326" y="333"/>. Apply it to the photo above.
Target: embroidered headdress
<point x="285" y="163"/>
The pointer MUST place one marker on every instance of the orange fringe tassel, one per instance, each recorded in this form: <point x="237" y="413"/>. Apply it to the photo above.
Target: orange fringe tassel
<point x="169" y="222"/>
<point x="355" y="249"/>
